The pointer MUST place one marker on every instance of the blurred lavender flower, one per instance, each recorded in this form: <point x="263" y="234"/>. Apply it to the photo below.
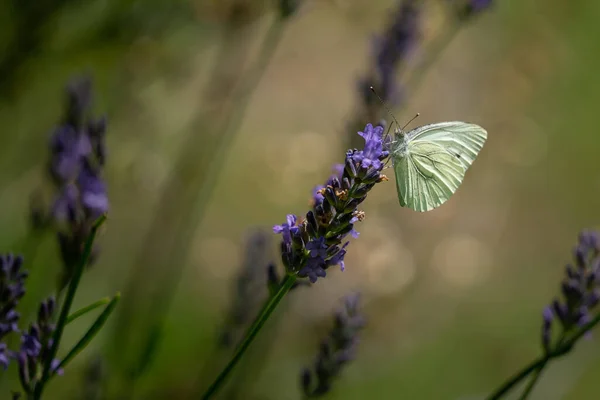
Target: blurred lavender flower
<point x="309" y="247"/>
<point x="391" y="51"/>
<point x="94" y="380"/>
<point x="250" y="286"/>
<point x="288" y="7"/>
<point x="12" y="288"/>
<point x="36" y="343"/>
<point x="469" y="8"/>
<point x="77" y="156"/>
<point x="250" y="289"/>
<point x="580" y="290"/>
<point x="336" y="350"/>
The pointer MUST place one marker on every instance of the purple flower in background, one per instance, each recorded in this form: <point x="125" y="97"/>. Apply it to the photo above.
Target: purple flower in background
<point x="335" y="351"/>
<point x="77" y="156"/>
<point x="93" y="192"/>
<point x="12" y="289"/>
<point x="479" y="5"/>
<point x="4" y="356"/>
<point x="288" y="7"/>
<point x="469" y="8"/>
<point x="391" y="51"/>
<point x="36" y="343"/>
<point x="249" y="287"/>
<point x="310" y="246"/>
<point x="580" y="290"/>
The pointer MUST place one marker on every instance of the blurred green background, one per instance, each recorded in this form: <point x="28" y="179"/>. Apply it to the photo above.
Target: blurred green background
<point x="453" y="297"/>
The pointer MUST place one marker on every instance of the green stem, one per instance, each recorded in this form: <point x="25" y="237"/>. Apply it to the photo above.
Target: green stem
<point x="533" y="381"/>
<point x="64" y="312"/>
<point x="538" y="372"/>
<point x="258" y="323"/>
<point x="561" y="349"/>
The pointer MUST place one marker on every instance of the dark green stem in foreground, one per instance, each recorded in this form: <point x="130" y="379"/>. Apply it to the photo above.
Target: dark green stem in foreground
<point x="538" y="372"/>
<point x="562" y="348"/>
<point x="536" y="376"/>
<point x="258" y="323"/>
<point x="64" y="312"/>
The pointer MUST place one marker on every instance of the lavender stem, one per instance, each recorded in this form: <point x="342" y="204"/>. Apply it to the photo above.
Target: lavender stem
<point x="258" y="323"/>
<point x="536" y="376"/>
<point x="540" y="362"/>
<point x="64" y="312"/>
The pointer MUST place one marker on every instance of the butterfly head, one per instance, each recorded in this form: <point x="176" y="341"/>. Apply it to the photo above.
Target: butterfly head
<point x="398" y="131"/>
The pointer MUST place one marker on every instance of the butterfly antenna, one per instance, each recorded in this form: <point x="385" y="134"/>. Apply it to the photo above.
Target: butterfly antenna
<point x="411" y="120"/>
<point x="384" y="105"/>
<point x="389" y="128"/>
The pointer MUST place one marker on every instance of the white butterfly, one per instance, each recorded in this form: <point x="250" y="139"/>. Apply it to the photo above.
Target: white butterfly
<point x="430" y="161"/>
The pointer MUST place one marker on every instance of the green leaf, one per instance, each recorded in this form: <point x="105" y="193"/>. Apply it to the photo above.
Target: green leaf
<point x="82" y="311"/>
<point x="93" y="331"/>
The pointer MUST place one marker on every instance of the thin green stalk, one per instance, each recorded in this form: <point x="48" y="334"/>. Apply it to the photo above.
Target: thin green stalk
<point x="258" y="323"/>
<point x="538" y="372"/>
<point x="563" y="347"/>
<point x="536" y="376"/>
<point x="64" y="312"/>
<point x="255" y="358"/>
<point x="91" y="307"/>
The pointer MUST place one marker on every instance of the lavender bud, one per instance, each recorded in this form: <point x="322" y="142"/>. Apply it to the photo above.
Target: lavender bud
<point x="349" y="168"/>
<point x="330" y="197"/>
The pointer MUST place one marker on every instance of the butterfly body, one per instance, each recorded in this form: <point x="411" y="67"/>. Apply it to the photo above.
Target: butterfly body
<point x="430" y="161"/>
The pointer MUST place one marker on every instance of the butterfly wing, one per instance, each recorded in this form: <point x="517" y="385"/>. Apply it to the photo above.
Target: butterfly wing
<point x="427" y="176"/>
<point x="460" y="138"/>
<point x="434" y="164"/>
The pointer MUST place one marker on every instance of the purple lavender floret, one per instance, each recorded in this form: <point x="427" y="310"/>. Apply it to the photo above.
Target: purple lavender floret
<point x="373" y="153"/>
<point x="36" y="343"/>
<point x="580" y="290"/>
<point x="335" y="351"/>
<point x="310" y="246"/>
<point x="12" y="289"/>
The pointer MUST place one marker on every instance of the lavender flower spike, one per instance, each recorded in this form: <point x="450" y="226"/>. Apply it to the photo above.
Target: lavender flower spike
<point x="310" y="246"/>
<point x="392" y="49"/>
<point x="36" y="343"/>
<point x="336" y="350"/>
<point x="580" y="290"/>
<point x="77" y="157"/>
<point x="12" y="288"/>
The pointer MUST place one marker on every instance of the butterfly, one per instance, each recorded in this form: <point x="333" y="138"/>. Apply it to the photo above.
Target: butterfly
<point x="430" y="161"/>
